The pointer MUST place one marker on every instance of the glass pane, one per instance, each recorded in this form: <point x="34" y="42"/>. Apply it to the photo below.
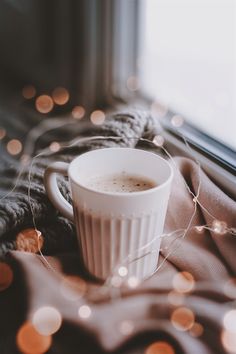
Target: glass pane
<point x="188" y="61"/>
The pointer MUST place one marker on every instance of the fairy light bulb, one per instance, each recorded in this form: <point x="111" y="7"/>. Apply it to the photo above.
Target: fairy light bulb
<point x="228" y="340"/>
<point x="47" y="320"/>
<point x="78" y="112"/>
<point x="183" y="282"/>
<point x="97" y="117"/>
<point x="29" y="240"/>
<point x="196" y="330"/>
<point x="229" y="321"/>
<point x="158" y="140"/>
<point x="133" y="282"/>
<point x="177" y="121"/>
<point x="160" y="347"/>
<point x="28" y="92"/>
<point x="158" y="110"/>
<point x="84" y="312"/>
<point x="14" y="147"/>
<point x="199" y="229"/>
<point x="30" y="341"/>
<point x="44" y="104"/>
<point x="219" y="227"/>
<point x="182" y="318"/>
<point x="54" y="146"/>
<point x="123" y="271"/>
<point x="60" y="95"/>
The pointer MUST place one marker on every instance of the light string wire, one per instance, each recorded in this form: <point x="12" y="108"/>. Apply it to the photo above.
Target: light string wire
<point x="180" y="233"/>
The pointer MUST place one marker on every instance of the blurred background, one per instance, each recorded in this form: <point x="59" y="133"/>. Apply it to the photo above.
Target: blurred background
<point x="78" y="57"/>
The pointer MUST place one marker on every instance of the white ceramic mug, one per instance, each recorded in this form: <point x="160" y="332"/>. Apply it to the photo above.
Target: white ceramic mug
<point x="112" y="227"/>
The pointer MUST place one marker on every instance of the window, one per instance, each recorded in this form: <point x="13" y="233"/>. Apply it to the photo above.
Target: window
<point x="188" y="61"/>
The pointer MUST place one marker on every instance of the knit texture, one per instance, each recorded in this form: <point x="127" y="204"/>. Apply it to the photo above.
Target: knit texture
<point x="16" y="206"/>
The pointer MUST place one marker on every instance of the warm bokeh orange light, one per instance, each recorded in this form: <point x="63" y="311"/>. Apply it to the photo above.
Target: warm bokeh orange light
<point x="78" y="112"/>
<point x="47" y="320"/>
<point x="29" y="240"/>
<point x="229" y="341"/>
<point x="73" y="287"/>
<point x="6" y="276"/>
<point x="196" y="330"/>
<point x="14" y="147"/>
<point x="160" y="347"/>
<point x="183" y="282"/>
<point x="28" y="91"/>
<point x="97" y="117"/>
<point x="60" y="96"/>
<point x="182" y="318"/>
<point x="84" y="312"/>
<point x="29" y="341"/>
<point x="158" y="140"/>
<point x="44" y="104"/>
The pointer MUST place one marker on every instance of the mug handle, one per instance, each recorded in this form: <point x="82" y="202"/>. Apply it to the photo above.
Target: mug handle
<point x="53" y="192"/>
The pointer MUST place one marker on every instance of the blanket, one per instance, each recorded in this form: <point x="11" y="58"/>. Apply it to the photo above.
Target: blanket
<point x="48" y="302"/>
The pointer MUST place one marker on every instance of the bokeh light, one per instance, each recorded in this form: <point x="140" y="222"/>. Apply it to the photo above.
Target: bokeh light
<point x="158" y="110"/>
<point x="182" y="318"/>
<point x="29" y="240"/>
<point x="78" y="112"/>
<point x="28" y="92"/>
<point x="158" y="140"/>
<point x="219" y="227"/>
<point x="175" y="298"/>
<point x="73" y="287"/>
<point x="196" y="330"/>
<point x="229" y="341"/>
<point x="122" y="271"/>
<point x="14" y="147"/>
<point x="60" y="95"/>
<point x="84" y="312"/>
<point x="97" y="117"/>
<point x="133" y="282"/>
<point x="132" y="83"/>
<point x="44" y="104"/>
<point x="6" y="276"/>
<point x="29" y="341"/>
<point x="230" y="288"/>
<point x="2" y="133"/>
<point x="54" y="146"/>
<point x="177" y="121"/>
<point x="126" y="327"/>
<point x="183" y="282"/>
<point x="116" y="281"/>
<point x="229" y="321"/>
<point x="160" y="347"/>
<point x="47" y="320"/>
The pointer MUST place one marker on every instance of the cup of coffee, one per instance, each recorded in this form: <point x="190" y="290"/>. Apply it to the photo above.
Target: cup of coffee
<point x="120" y="198"/>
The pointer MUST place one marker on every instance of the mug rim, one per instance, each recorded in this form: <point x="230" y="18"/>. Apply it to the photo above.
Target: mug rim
<point x="120" y="194"/>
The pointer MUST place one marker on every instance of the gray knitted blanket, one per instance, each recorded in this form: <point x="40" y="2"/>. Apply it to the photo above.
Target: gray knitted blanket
<point x="18" y="206"/>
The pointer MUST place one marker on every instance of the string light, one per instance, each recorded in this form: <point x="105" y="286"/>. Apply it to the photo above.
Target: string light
<point x="229" y="341"/>
<point x="199" y="229"/>
<point x="47" y="320"/>
<point x="28" y="92"/>
<point x="160" y="347"/>
<point x="30" y="341"/>
<point x="177" y="121"/>
<point x="122" y="271"/>
<point x="133" y="282"/>
<point x="158" y="140"/>
<point x="44" y="104"/>
<point x="97" y="117"/>
<point x="78" y="112"/>
<point x="126" y="327"/>
<point x="182" y="318"/>
<point x="158" y="110"/>
<point x="229" y="321"/>
<point x="6" y="276"/>
<point x="2" y="133"/>
<point x="219" y="227"/>
<point x="183" y="282"/>
<point x="14" y="147"/>
<point x="84" y="312"/>
<point x="196" y="330"/>
<point x="132" y="83"/>
<point x="54" y="146"/>
<point x="60" y="95"/>
<point x="29" y="240"/>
